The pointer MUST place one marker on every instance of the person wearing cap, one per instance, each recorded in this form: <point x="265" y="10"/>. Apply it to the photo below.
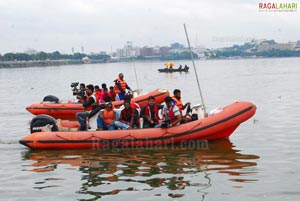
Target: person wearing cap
<point x="120" y="87"/>
<point x="129" y="117"/>
<point x="89" y="103"/>
<point x="170" y="113"/>
<point x="106" y="118"/>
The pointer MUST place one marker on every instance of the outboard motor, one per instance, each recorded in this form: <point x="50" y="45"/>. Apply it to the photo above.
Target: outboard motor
<point x="51" y="98"/>
<point x="41" y="122"/>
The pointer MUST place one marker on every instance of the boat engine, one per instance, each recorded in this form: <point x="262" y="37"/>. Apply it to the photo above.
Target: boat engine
<point x="51" y="98"/>
<point x="43" y="122"/>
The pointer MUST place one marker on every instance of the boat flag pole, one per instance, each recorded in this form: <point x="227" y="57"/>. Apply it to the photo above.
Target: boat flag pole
<point x="138" y="90"/>
<point x="202" y="100"/>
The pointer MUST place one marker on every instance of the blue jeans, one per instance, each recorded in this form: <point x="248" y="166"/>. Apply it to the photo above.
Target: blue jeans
<point x="101" y="124"/>
<point x="121" y="125"/>
<point x="81" y="118"/>
<point x="120" y="96"/>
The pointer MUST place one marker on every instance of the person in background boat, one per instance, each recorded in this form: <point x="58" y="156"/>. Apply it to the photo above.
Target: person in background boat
<point x="129" y="117"/>
<point x="106" y="118"/>
<point x="112" y="93"/>
<point x="120" y="87"/>
<point x="186" y="68"/>
<point x="102" y="93"/>
<point x="106" y="95"/>
<point x="171" y="114"/>
<point x="180" y="67"/>
<point x="97" y="93"/>
<point x="176" y="100"/>
<point x="88" y="102"/>
<point x="149" y="113"/>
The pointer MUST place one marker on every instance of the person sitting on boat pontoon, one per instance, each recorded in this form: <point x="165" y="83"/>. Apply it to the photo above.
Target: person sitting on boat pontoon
<point x="180" y="67"/>
<point x="171" y="114"/>
<point x="106" y="118"/>
<point x="129" y="117"/>
<point x="89" y="103"/>
<point x="149" y="113"/>
<point x="120" y="87"/>
<point x="176" y="100"/>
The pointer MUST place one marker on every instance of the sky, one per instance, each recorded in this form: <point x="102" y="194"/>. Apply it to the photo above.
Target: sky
<point x="105" y="25"/>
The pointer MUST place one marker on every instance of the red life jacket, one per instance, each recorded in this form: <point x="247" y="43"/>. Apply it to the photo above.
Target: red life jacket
<point x="91" y="107"/>
<point x="128" y="115"/>
<point x="170" y="114"/>
<point x="147" y="112"/>
<point x="113" y="95"/>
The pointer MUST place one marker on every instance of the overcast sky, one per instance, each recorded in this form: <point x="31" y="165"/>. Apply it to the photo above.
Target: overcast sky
<point x="105" y="25"/>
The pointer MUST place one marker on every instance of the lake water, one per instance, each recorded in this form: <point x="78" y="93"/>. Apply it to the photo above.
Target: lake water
<point x="260" y="161"/>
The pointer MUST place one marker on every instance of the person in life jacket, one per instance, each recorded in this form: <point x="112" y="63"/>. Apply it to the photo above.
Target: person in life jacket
<point x="120" y="87"/>
<point x="176" y="100"/>
<point x="171" y="114"/>
<point x="106" y="118"/>
<point x="149" y="113"/>
<point x="129" y="117"/>
<point x="89" y="103"/>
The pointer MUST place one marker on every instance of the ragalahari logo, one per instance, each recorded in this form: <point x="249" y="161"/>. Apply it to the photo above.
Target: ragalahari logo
<point x="278" y="7"/>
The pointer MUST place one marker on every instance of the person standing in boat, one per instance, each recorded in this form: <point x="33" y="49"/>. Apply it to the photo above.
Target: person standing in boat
<point x="171" y="114"/>
<point x="149" y="113"/>
<point x="129" y="117"/>
<point x="176" y="100"/>
<point x="107" y="117"/>
<point x="88" y="102"/>
<point x="120" y="87"/>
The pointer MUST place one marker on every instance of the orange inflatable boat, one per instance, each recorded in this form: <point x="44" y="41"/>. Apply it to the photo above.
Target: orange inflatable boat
<point x="219" y="125"/>
<point x="69" y="110"/>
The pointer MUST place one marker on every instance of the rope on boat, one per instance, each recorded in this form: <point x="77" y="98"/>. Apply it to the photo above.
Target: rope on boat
<point x="167" y="132"/>
<point x="191" y="53"/>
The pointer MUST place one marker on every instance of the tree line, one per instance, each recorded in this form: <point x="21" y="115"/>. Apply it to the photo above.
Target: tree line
<point x="43" y="56"/>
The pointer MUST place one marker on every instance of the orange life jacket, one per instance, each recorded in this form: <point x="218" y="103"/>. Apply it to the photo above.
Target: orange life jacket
<point x="122" y="83"/>
<point x="178" y="103"/>
<point x="108" y="116"/>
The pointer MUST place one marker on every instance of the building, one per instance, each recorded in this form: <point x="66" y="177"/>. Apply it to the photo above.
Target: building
<point x="278" y="46"/>
<point x="147" y="51"/>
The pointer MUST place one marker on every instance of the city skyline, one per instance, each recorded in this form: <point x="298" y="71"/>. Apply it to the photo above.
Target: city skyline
<point x="106" y="26"/>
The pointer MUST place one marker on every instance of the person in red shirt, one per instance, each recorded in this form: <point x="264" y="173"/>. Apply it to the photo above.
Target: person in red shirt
<point x="112" y="93"/>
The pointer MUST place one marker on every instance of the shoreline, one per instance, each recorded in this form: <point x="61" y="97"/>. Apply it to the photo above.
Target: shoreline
<point x="24" y="64"/>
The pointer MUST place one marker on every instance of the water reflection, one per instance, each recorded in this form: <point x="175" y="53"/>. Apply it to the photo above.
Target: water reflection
<point x="173" y="169"/>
